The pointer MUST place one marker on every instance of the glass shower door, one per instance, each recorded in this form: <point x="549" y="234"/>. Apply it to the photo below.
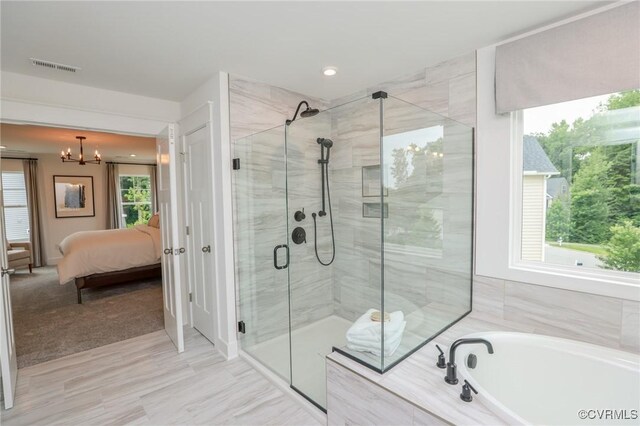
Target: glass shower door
<point x="310" y="282"/>
<point x="326" y="155"/>
<point x="261" y="251"/>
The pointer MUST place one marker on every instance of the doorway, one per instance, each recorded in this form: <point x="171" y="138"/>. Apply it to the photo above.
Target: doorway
<point x="47" y="321"/>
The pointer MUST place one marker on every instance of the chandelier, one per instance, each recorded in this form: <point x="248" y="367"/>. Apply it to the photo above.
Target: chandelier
<point x="66" y="156"/>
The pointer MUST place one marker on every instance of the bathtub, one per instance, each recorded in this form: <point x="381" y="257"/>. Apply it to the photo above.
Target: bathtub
<point x="546" y="380"/>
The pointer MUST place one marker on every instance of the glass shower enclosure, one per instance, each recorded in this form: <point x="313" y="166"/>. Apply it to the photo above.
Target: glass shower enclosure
<point x="353" y="233"/>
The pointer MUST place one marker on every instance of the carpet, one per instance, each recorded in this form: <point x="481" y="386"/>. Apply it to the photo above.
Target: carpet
<point x="49" y="323"/>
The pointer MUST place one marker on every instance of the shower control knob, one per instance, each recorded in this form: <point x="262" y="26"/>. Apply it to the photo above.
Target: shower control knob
<point x="299" y="235"/>
<point x="299" y="216"/>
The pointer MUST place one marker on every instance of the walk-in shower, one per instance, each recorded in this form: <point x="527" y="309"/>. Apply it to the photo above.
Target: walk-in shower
<point x="390" y="190"/>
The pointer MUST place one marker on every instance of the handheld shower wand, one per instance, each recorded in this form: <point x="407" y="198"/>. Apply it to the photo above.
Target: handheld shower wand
<point x="325" y="148"/>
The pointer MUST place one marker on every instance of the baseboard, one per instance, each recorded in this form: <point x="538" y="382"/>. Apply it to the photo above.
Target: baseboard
<point x="229" y="350"/>
<point x="52" y="261"/>
<point x="315" y="412"/>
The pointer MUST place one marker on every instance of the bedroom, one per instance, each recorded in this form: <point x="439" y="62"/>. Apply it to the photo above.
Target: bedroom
<point x="98" y="215"/>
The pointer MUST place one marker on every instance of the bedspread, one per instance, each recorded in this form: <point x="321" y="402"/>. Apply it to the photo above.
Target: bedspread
<point x="92" y="252"/>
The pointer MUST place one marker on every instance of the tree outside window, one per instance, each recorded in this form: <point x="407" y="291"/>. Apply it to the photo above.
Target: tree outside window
<point x="597" y="155"/>
<point x="135" y="195"/>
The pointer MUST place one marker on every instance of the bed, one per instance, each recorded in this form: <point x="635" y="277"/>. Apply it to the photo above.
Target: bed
<point x="115" y="256"/>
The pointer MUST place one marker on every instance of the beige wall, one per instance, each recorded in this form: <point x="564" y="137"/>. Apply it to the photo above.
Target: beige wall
<point x="12" y="165"/>
<point x="55" y="230"/>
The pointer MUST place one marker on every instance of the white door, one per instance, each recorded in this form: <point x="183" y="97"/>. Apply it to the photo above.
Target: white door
<point x="168" y="209"/>
<point x="8" y="360"/>
<point x="200" y="249"/>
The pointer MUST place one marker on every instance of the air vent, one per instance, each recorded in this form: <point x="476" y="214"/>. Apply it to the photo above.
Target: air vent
<point x="54" y="65"/>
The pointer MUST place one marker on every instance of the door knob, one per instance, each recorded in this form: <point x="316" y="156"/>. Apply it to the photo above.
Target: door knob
<point x="206" y="249"/>
<point x="6" y="271"/>
<point x="168" y="251"/>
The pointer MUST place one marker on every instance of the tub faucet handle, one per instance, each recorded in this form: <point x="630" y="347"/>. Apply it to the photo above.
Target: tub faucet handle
<point x="442" y="363"/>
<point x="466" y="392"/>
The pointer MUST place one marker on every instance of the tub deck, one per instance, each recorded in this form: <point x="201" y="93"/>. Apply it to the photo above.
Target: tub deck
<point x="421" y="384"/>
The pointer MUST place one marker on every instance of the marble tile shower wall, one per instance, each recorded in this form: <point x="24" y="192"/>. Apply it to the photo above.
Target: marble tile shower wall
<point x="261" y="215"/>
<point x="352" y="284"/>
<point x="357" y="268"/>
<point x="412" y="281"/>
<point x="591" y="318"/>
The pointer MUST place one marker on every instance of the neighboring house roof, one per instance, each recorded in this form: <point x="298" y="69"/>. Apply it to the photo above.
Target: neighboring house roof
<point x="557" y="186"/>
<point x="535" y="159"/>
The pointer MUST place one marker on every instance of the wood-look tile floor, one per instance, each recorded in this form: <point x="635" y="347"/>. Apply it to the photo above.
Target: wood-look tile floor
<point x="145" y="381"/>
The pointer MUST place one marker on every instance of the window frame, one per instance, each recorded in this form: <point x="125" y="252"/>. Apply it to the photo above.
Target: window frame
<point x="26" y="206"/>
<point x="123" y="222"/>
<point x="499" y="205"/>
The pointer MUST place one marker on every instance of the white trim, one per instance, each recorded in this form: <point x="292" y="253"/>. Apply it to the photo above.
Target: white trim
<point x="82" y="109"/>
<point x="499" y="200"/>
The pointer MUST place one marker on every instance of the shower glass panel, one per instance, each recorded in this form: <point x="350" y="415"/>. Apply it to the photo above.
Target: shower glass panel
<point x="353" y="233"/>
<point x="334" y="275"/>
<point x="261" y="218"/>
<point x="428" y="175"/>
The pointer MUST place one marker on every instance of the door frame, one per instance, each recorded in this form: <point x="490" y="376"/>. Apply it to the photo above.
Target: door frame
<point x="201" y="117"/>
<point x="87" y="128"/>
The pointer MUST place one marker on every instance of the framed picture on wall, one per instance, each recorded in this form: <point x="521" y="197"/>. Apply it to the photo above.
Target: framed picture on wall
<point x="73" y="196"/>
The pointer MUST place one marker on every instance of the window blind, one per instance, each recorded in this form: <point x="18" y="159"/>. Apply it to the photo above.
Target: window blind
<point x="596" y="55"/>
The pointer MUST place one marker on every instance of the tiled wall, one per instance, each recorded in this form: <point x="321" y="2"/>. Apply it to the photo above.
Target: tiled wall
<point x="352" y="284"/>
<point x="413" y="280"/>
<point x="260" y="209"/>
<point x="586" y="317"/>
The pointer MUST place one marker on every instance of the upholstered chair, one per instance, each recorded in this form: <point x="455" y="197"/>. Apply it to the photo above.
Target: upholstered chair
<point x="20" y="255"/>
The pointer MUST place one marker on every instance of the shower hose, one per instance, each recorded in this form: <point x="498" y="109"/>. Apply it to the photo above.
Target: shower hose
<point x="315" y="231"/>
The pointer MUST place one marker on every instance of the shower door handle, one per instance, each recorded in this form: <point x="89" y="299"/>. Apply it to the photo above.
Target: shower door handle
<point x="275" y="256"/>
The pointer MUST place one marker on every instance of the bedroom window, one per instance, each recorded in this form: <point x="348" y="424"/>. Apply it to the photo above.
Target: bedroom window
<point x="581" y="184"/>
<point x="135" y="196"/>
<point x="16" y="213"/>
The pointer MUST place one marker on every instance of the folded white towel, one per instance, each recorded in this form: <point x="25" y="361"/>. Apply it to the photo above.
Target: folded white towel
<point x="390" y="345"/>
<point x="365" y="335"/>
<point x="366" y="329"/>
<point x="388" y="350"/>
<point x="371" y="344"/>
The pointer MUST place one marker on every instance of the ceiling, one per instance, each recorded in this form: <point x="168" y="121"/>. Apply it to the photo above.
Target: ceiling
<point x="167" y="49"/>
<point x="26" y="140"/>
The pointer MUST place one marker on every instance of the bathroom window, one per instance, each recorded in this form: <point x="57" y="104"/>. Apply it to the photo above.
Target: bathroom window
<point x="580" y="187"/>
<point x="135" y="196"/>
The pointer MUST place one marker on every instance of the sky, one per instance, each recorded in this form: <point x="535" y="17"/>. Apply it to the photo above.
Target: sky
<point x="539" y="120"/>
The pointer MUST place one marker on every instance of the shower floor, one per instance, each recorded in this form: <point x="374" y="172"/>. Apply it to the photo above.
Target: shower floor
<point x="309" y="347"/>
<point x="311" y="343"/>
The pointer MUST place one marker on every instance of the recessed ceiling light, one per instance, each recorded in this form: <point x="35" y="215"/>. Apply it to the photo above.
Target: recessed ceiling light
<point x="329" y="71"/>
<point x="132" y="155"/>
